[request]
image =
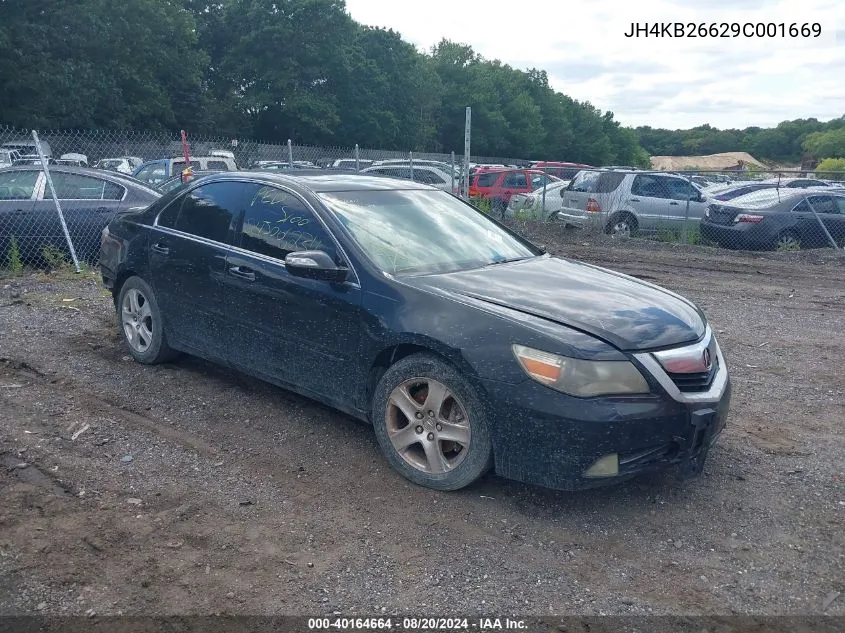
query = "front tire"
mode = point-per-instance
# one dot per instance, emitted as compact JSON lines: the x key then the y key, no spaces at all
{"x":140,"y":322}
{"x":431,"y":424}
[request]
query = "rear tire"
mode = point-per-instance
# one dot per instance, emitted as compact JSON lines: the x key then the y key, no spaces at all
{"x":788,"y":241}
{"x":140,"y":323}
{"x":431,"y":423}
{"x":622,"y":225}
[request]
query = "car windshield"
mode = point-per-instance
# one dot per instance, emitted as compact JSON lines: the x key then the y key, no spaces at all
{"x":423,"y":232}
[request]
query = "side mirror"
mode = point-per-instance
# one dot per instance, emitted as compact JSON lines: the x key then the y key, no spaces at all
{"x":315,"y":265}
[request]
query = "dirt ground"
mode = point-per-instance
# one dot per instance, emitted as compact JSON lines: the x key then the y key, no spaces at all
{"x":188,"y":489}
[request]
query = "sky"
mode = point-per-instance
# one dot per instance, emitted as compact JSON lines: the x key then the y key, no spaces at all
{"x":661,"y":82}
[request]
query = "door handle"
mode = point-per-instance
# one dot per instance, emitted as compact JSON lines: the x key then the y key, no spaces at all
{"x":673,"y":204}
{"x":634,"y":200}
{"x":103,"y":209}
{"x":160,"y":248}
{"x":237,"y":271}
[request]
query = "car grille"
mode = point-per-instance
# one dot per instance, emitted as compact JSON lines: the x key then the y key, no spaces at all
{"x":697,"y":382}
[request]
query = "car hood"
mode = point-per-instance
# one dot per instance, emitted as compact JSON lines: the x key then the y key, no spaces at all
{"x":627,"y":313}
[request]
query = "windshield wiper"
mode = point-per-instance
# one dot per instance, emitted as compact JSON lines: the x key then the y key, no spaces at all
{"x":507,"y":261}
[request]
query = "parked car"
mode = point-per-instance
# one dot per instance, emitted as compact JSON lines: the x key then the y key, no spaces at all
{"x":27,"y":150}
{"x":89,"y":199}
{"x":8,"y":157}
{"x":564,"y":171}
{"x":73,"y":159}
{"x":777,"y":218}
{"x":425,"y":174}
{"x":155,"y":172}
{"x":121,"y":165}
{"x":350,"y":163}
{"x":437,"y":164}
{"x":531,"y":204}
{"x":466,"y":346}
{"x":623,"y":203}
{"x":498,"y":185}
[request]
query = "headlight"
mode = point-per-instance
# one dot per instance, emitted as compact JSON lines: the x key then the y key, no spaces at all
{"x":581,"y":378}
{"x":529,"y":202}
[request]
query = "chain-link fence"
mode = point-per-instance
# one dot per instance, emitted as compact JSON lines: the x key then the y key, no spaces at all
{"x":748,"y":210}
{"x":737,"y":209}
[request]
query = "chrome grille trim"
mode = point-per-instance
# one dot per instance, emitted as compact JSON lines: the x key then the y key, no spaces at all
{"x":720,"y":380}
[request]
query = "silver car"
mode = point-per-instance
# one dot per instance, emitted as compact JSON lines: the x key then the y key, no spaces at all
{"x":626,"y":203}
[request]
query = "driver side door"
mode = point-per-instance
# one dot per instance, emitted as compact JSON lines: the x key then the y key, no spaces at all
{"x":300,"y":332}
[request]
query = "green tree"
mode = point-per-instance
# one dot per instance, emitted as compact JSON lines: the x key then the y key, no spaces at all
{"x":829,"y":144}
{"x":833,"y":168}
{"x":97,"y":63}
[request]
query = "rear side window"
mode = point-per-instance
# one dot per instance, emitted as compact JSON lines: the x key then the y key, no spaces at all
{"x":77,"y":187}
{"x":206,"y":211}
{"x":516,"y":180}
{"x":152,"y":173}
{"x":608,"y":182}
{"x":649,"y":187}
{"x":17,"y":185}
{"x":487,"y":179}
{"x":428,"y":177}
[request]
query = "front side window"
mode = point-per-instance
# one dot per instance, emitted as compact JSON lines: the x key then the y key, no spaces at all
{"x":153,"y":173}
{"x":428,"y":177}
{"x":17,"y":185}
{"x":680,"y":189}
{"x":423,"y":231}
{"x":217,"y":165}
{"x":206,"y":211}
{"x":76,"y":187}
{"x":276,"y":223}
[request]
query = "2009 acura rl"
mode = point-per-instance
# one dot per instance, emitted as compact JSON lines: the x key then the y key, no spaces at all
{"x":465,"y":345}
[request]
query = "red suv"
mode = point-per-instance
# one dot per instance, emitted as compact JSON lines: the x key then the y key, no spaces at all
{"x":498,"y":185}
{"x":564,"y":171}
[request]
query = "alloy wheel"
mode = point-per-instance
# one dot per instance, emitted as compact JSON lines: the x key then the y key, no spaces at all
{"x":137,"y":320}
{"x":427,"y":425}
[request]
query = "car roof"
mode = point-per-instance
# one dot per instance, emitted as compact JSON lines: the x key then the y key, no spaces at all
{"x":124,"y":179}
{"x":323,"y":182}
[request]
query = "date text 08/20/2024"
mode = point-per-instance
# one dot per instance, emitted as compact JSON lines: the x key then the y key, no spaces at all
{"x":418,"y":625}
{"x":724,"y":29}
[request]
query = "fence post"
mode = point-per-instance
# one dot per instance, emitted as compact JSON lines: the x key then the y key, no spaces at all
{"x":290,"y":154}
{"x":453,"y":172}
{"x":411,"y":163}
{"x":686,"y":211}
{"x":465,"y":174}
{"x":55,"y":200}
{"x":357,"y":159}
{"x":543,"y":208}
{"x":821,"y":224}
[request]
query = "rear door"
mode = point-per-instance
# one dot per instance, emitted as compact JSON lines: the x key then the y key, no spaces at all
{"x":18,"y":190}
{"x":681,"y":192}
{"x":88,"y":205}
{"x":649,"y":200}
{"x":188,"y":243}
{"x":829,"y":209}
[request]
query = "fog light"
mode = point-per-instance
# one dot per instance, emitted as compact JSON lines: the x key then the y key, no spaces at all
{"x":607,"y":466}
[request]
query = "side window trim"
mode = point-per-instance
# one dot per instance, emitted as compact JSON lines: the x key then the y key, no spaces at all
{"x":236,"y":243}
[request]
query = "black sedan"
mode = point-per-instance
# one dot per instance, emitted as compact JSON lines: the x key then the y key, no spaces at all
{"x":89,"y":198}
{"x":463,"y":344}
{"x":778,"y":219}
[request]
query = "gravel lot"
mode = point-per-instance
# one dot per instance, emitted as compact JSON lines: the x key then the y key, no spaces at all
{"x":189,"y":489}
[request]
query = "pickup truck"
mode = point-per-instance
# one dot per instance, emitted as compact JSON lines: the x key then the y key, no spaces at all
{"x":155,"y":172}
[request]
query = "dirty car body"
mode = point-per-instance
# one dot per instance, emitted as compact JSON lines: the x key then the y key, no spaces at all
{"x":575,"y":375}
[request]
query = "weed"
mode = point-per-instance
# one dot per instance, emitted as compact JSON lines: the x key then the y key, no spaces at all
{"x":14,"y":255}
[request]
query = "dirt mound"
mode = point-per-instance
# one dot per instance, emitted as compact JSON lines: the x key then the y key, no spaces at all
{"x":726,"y":160}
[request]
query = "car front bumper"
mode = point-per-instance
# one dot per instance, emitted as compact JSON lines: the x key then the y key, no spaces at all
{"x":546,"y":438}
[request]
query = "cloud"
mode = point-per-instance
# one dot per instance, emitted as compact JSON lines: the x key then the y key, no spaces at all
{"x":662,"y":82}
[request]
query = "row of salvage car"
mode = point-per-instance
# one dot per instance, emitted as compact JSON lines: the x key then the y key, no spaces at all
{"x":786,"y":213}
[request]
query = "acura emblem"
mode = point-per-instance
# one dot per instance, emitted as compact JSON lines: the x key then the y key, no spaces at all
{"x":708,"y":362}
